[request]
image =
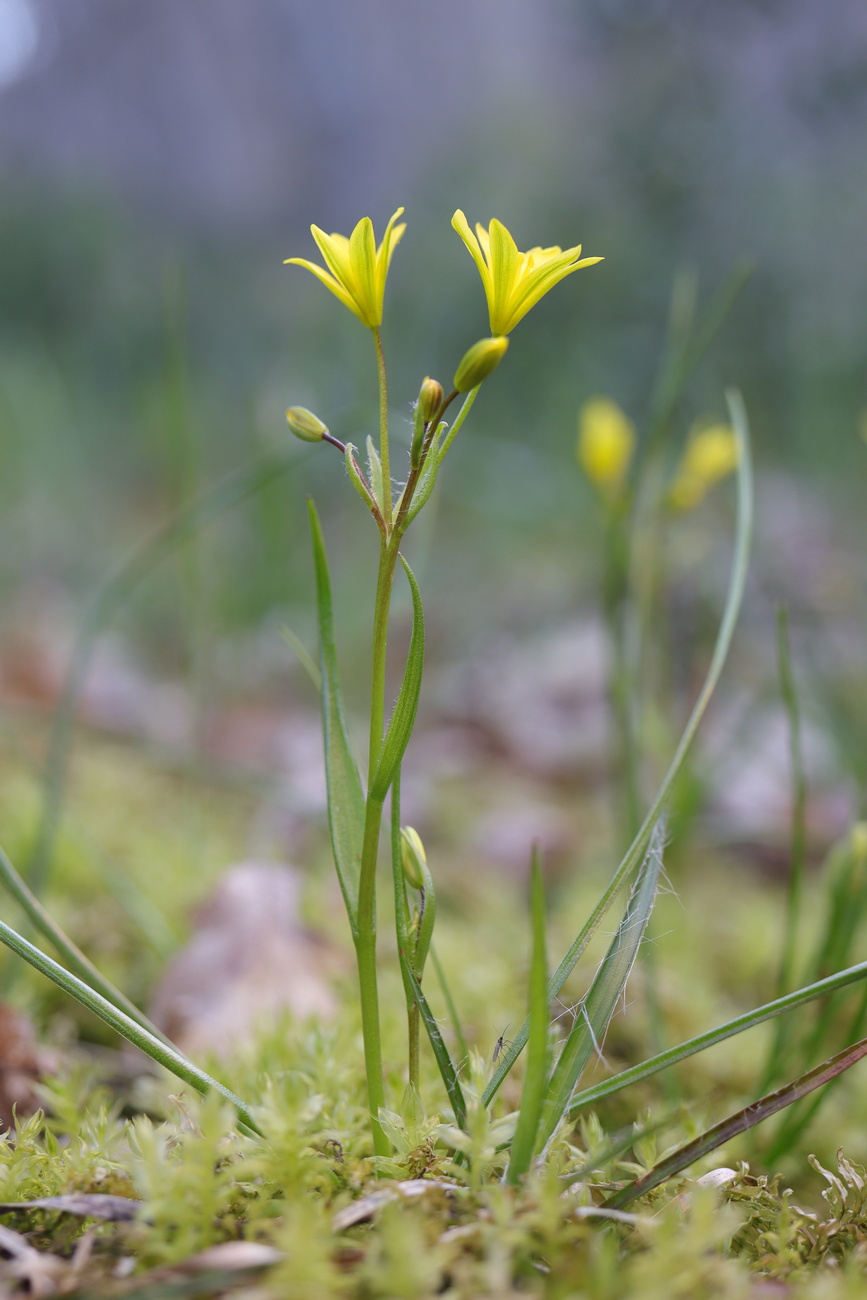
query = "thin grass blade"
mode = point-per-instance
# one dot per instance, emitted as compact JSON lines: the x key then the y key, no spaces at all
{"x":345,"y":796}
{"x":737,"y":582}
{"x":604,"y":993}
{"x":644,"y":1070}
{"x":163,"y":1053}
{"x":450,"y":1004}
{"x":71,"y":954}
{"x":403,"y":718}
{"x":440,"y":1051}
{"x":739,"y":1123}
{"x":536,"y":1078}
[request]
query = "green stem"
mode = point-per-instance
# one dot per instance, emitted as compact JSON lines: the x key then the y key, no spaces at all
{"x":404,"y":944}
{"x":365,"y":936}
{"x":383,"y":426}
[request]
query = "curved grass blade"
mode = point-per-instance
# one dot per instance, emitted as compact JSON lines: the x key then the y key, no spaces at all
{"x":701,"y":1042}
{"x":403,"y":718}
{"x":633,"y":854}
{"x":345,"y":797}
{"x":71,"y":954}
{"x":440,"y":1051}
{"x":163,"y":1053}
{"x":604,"y":993}
{"x":738,"y":1123}
{"x":536,"y":1078}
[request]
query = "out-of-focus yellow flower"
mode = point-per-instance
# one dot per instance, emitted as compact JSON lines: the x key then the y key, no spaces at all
{"x":606,"y":441}
{"x":356,"y":267}
{"x":513,"y":281}
{"x":710,"y":455}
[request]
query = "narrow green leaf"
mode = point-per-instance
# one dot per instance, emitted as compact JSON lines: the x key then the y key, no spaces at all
{"x":345,"y":796}
{"x":450,"y":1005}
{"x":374,"y":468}
{"x":161,"y":1052}
{"x":598,"y":1006}
{"x":673,"y":1055}
{"x":428,"y":477}
{"x":536,"y":1078}
{"x":71,"y":954}
{"x":738,"y":1123}
{"x":440,"y":1051}
{"x":403,"y":719}
{"x":633,"y":854}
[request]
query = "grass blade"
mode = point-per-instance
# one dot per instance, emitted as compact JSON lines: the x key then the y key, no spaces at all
{"x":633,"y":854}
{"x":821,"y":989}
{"x":71,"y":954}
{"x":605,"y":991}
{"x":536,"y":1078}
{"x":345,"y":796}
{"x":450,"y":1004}
{"x":440,"y":1051}
{"x":163,"y":1053}
{"x":403,"y":718}
{"x":738,"y":1123}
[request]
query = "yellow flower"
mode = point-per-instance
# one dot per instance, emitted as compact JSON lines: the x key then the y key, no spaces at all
{"x":356,"y":267}
{"x":514,"y":282}
{"x":710,"y":455}
{"x":606,"y":441}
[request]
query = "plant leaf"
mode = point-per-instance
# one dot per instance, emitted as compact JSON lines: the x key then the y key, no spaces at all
{"x":71,"y":954}
{"x":701,"y":1042}
{"x":403,"y":718}
{"x":345,"y":796}
{"x":738,"y":1123}
{"x":598,"y":1006}
{"x":440,"y":1051}
{"x":737,"y":581}
{"x":536,"y":1078}
{"x":163,"y":1053}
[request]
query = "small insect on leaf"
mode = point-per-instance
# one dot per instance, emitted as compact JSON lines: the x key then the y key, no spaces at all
{"x":501,"y":1042}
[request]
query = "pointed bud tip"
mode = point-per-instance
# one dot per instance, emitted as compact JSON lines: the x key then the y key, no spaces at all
{"x":430,"y":397}
{"x":480,"y":361}
{"x":305,"y":425}
{"x":413,"y":856}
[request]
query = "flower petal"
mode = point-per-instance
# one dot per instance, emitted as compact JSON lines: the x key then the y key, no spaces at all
{"x":335,"y":253}
{"x":330,"y":283}
{"x":362,"y":261}
{"x":462,"y":226}
{"x":505,"y":275}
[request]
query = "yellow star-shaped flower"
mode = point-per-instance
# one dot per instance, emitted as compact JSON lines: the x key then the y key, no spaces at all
{"x":356,"y":267}
{"x":514,"y":281}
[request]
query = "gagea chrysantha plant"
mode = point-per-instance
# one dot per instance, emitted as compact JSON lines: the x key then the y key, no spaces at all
{"x":639,"y":486}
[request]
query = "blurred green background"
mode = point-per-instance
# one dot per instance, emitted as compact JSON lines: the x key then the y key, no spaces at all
{"x":159,"y":161}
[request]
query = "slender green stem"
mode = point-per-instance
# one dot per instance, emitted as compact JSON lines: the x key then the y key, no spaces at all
{"x":383,"y":426}
{"x":365,"y":952}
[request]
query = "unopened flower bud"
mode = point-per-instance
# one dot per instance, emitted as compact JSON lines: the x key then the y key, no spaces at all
{"x":430,"y":397}
{"x":479,"y":362}
{"x":413,"y":856}
{"x":305,"y":425}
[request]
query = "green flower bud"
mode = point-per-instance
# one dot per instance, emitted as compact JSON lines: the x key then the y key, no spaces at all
{"x":305,"y":425}
{"x":413,"y":856}
{"x":479,"y":362}
{"x":430,"y":396}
